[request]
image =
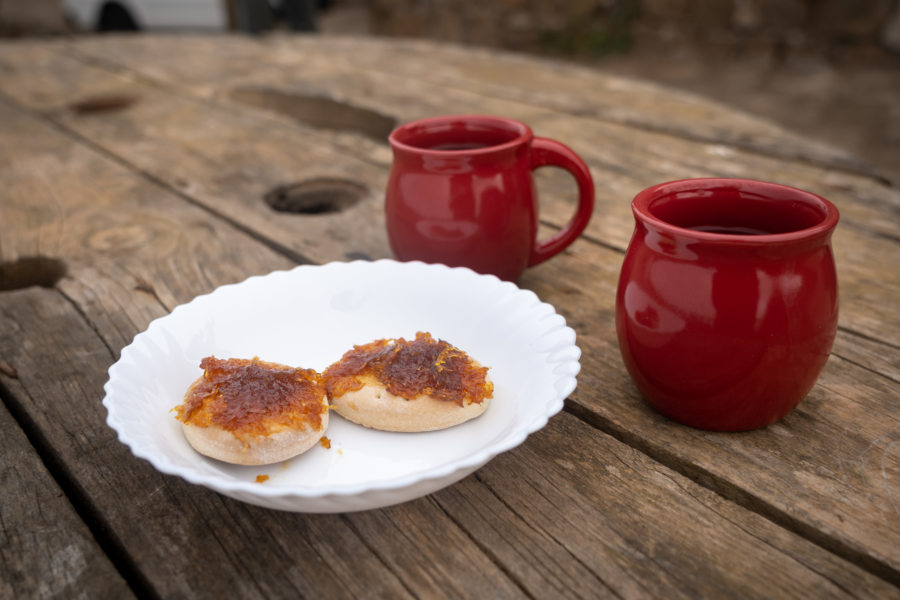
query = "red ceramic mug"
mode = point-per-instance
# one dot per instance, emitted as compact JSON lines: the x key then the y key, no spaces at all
{"x":727,"y":303}
{"x":461,"y":193}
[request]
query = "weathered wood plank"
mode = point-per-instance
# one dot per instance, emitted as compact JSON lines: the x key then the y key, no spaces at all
{"x":818,"y":451}
{"x":197,"y":140}
{"x":173,"y":143}
{"x":165,"y":134}
{"x":632,"y":525}
{"x":196,"y":152}
{"x":548,"y":84}
{"x":585,"y":92}
{"x":46,"y":550}
{"x":188,"y":540}
{"x":573,"y":503}
{"x":632,"y":160}
{"x":261,"y":553}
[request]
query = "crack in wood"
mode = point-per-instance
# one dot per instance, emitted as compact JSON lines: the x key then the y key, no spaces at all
{"x":317,"y":111}
{"x":485,"y":549}
{"x":101,"y":531}
{"x":733,"y":493}
{"x":374,"y":550}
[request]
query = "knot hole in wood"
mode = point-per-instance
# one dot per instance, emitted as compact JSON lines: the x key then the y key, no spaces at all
{"x":31,"y":271}
{"x":316,"y":196}
{"x":102,"y":103}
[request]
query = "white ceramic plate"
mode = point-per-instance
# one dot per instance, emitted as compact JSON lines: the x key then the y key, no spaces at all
{"x":309,"y":316}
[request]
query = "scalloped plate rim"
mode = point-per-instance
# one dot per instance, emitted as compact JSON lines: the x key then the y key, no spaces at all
{"x":565,"y":383}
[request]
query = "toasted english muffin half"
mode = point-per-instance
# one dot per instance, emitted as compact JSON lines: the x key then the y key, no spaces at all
{"x":252,"y":412}
{"x":408,"y":386}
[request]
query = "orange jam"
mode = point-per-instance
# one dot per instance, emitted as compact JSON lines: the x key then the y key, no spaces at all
{"x":409,"y":369}
{"x":253,"y":397}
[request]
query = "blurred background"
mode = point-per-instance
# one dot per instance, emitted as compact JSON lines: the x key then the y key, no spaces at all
{"x":829,"y":69}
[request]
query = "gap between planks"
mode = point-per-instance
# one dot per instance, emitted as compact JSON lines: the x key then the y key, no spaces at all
{"x":734,"y":494}
{"x":111,"y":546}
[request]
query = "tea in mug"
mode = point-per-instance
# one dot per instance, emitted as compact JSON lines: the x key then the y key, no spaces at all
{"x":460,"y":146}
{"x":730,"y":230}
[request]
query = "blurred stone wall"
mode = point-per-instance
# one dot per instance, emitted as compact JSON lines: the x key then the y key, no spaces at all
{"x":593,"y":28}
{"x":31,"y":17}
{"x":596,"y":28}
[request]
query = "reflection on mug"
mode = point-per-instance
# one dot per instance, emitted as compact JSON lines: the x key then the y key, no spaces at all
{"x":447,"y":231}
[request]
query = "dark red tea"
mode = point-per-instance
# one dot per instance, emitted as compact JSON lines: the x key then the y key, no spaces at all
{"x":730,"y":230}
{"x":460,"y":146}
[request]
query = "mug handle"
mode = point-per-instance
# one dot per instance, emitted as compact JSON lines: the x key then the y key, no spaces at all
{"x":550,"y":153}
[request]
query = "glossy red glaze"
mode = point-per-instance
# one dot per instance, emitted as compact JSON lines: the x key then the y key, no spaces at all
{"x":721,"y":331}
{"x":461,"y":193}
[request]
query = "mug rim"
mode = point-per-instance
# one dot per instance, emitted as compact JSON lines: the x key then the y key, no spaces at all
{"x":523,"y":131}
{"x":643,"y":200}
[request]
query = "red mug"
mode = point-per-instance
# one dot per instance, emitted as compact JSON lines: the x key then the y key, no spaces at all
{"x":461,"y":193}
{"x":727,"y":303}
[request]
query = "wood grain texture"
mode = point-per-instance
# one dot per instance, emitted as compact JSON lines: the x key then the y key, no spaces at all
{"x":154,"y":201}
{"x":46,"y":550}
{"x":177,"y":129}
{"x":634,"y":526}
{"x":623,"y":160}
{"x":545,"y":84}
{"x":816,"y":452}
{"x":571,"y":502}
{"x":189,"y":541}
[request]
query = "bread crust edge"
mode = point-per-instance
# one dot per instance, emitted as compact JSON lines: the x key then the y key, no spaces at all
{"x":219,"y":443}
{"x":374,"y":407}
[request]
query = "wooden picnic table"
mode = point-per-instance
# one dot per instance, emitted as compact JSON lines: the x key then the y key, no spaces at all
{"x":134,"y":172}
